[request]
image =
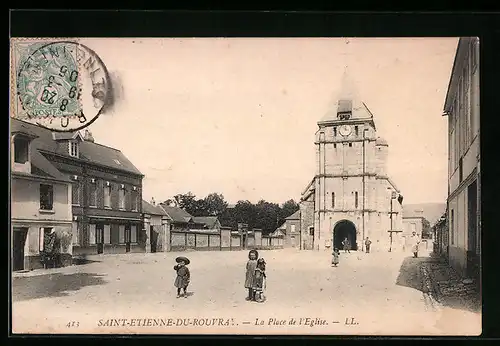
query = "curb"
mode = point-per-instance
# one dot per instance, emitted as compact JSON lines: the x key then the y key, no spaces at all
{"x":428,"y":289}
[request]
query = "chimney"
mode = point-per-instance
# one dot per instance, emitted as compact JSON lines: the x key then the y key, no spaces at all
{"x":153,"y":201}
{"x":88,"y":136}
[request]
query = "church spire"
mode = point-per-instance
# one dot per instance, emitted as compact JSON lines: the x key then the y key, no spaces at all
{"x":348,"y":90}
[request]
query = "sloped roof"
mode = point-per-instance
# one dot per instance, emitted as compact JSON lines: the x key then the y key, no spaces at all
{"x":381,"y":142}
{"x":431,"y":211}
{"x":89,"y":151}
{"x":294,"y":216}
{"x":209,"y":221}
{"x":177,"y":214}
{"x":148,"y":208}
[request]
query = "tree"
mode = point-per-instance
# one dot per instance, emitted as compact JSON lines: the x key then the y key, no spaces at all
{"x":215,"y":204}
{"x":426,"y":229}
{"x":186,"y":201}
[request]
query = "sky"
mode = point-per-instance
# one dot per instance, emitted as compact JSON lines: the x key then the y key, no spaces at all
{"x":238,"y":116}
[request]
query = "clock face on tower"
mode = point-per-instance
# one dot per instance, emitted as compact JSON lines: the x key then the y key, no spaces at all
{"x":345,"y":130}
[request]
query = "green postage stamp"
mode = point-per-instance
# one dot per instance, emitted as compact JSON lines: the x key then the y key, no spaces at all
{"x":57,"y":84}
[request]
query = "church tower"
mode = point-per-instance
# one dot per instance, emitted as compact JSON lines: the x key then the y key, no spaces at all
{"x":351,"y":195}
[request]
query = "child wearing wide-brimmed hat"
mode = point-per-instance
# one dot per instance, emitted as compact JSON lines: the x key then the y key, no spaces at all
{"x":253,"y":255}
{"x":183,"y":276}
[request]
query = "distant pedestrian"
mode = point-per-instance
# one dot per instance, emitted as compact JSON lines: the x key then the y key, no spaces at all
{"x":253,"y":255}
{"x":183,"y":276}
{"x":335,"y":259}
{"x":347,"y":245}
{"x":368,"y":243}
{"x":259,"y":281}
{"x":414,"y":242}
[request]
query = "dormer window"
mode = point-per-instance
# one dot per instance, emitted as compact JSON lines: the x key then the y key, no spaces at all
{"x":73,"y":149}
{"x":21,"y":149}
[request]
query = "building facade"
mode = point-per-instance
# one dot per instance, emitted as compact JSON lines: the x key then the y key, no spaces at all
{"x":106,"y":191}
{"x":351,"y":195}
{"x":156,"y":227}
{"x":39,"y":204}
{"x":464,"y":186}
{"x":290,"y":231}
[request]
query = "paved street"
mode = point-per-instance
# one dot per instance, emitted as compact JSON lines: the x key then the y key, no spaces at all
{"x":381,"y":291}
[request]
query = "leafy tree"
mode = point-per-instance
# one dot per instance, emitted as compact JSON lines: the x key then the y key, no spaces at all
{"x":426,"y":229}
{"x":214,"y":204}
{"x":186,"y":201}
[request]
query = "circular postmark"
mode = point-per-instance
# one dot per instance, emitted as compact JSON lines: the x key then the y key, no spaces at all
{"x":63,"y":86}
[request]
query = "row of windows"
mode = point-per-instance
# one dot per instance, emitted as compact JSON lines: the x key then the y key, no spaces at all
{"x":123,"y":193}
{"x":355,"y":199}
{"x":102,"y":234}
{"x":463,"y":122}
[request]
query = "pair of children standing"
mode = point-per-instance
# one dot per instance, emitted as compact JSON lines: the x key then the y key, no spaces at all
{"x":255,"y":278}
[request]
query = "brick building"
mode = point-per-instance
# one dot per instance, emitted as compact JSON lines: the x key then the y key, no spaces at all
{"x":105,"y":194}
{"x":464,"y":193}
{"x":351,"y":194}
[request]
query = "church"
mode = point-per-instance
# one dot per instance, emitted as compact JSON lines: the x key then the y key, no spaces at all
{"x":351,"y":195}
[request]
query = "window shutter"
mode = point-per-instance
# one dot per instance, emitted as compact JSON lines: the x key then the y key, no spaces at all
{"x":133,"y":234}
{"x":107,"y":234}
{"x":114,"y":195}
{"x":92,"y":239}
{"x":121,"y":234}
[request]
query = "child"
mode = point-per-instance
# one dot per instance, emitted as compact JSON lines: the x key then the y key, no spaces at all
{"x":183,"y":276}
{"x":250,"y":273}
{"x":259,"y":281}
{"x":335,"y":259}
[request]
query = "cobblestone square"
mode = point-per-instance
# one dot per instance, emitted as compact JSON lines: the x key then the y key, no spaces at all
{"x":367,"y":294}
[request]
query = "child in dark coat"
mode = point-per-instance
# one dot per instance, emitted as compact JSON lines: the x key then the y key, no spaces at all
{"x":259,"y":281}
{"x":253,"y":255}
{"x":183,"y":276}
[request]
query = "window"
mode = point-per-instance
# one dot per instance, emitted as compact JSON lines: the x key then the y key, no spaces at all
{"x":350,"y":145}
{"x":413,"y":227}
{"x":107,"y":195}
{"x":133,"y":234}
{"x":75,"y":200}
{"x":93,"y":193}
{"x":356,"y":130}
{"x":73,"y":149}
{"x":135,"y":200}
{"x":334,"y":145}
{"x":452,"y":228}
{"x":292,"y":228}
{"x":107,"y":234}
{"x":311,"y":231}
{"x":356,"y":199}
{"x":75,"y":230}
{"x":21,"y":149}
{"x":92,"y":234}
{"x":45,"y":240}
{"x":333,"y":200}
{"x":121,"y":234}
{"x":46,"y":197}
{"x":121,"y":197}
{"x":335,"y":132}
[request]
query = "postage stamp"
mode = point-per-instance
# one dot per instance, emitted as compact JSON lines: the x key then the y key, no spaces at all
{"x":58,"y":84}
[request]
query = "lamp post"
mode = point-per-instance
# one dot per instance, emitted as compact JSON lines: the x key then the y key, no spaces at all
{"x":393,"y":196}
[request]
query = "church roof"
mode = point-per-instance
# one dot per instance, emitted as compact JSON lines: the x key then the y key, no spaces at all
{"x":347,"y":92}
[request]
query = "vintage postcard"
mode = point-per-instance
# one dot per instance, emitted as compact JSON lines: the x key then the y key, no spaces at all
{"x":319,"y":186}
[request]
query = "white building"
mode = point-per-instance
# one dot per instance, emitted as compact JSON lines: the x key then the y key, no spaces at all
{"x":464,"y":196}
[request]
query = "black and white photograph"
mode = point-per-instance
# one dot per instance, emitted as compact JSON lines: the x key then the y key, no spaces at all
{"x":238,"y":185}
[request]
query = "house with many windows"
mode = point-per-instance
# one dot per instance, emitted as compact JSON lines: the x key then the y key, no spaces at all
{"x":40,"y":203}
{"x":464,"y":186}
{"x":105,"y":195}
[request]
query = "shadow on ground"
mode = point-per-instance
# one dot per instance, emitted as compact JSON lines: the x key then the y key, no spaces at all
{"x":52,"y":285}
{"x":409,"y":273}
{"x":82,"y":260}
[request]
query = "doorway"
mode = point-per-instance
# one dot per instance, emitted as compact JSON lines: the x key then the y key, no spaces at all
{"x":127,"y":238}
{"x":99,"y":229}
{"x":344,"y":229}
{"x":153,"y":236}
{"x":472,"y":262}
{"x":18,"y":241}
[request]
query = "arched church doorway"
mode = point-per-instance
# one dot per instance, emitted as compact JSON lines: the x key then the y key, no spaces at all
{"x":344,"y":229}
